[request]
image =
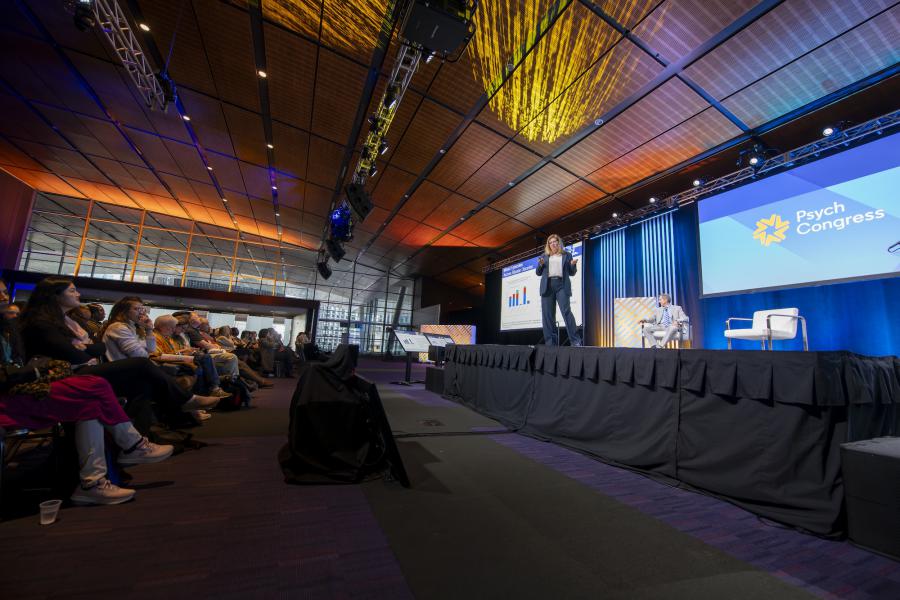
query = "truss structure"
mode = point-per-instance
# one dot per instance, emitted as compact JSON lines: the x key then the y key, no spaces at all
{"x":117,"y":31}
{"x":402,"y":72}
{"x":835,"y":142}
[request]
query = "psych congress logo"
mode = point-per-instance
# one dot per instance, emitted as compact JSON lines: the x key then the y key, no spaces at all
{"x":771,"y":230}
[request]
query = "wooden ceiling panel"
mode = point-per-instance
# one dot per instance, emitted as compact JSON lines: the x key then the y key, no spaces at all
{"x":668,"y":105}
{"x":456,"y":86}
{"x":248,"y":225}
{"x":155,"y":151}
{"x":188,"y":65}
{"x":188,"y":160}
{"x":290,"y":149}
{"x":868,"y":49}
{"x":484,"y":220}
{"x":546,"y":182}
{"x":473,"y":148}
{"x":374,"y":220}
{"x":229,"y":49}
{"x":419,"y":236}
{"x":391,"y":187}
{"x":449,"y":211}
{"x":353,"y":29}
{"x":43,"y":181}
{"x":678,"y":26}
{"x":14,"y":157}
{"x":239,"y":206}
{"x":576,"y":196}
{"x":510,"y":162}
{"x":228,"y":174}
{"x":256,"y":181}
{"x":208,"y":121}
{"x":291,"y":66}
{"x":182,"y":188}
{"x":427,"y":134}
{"x":324,"y":162}
{"x":339,"y":86}
{"x":109,"y":193}
{"x":145,"y":178}
{"x":78,"y":134}
{"x":502,"y":234}
{"x":692,"y":137}
{"x":399,"y":228}
{"x":317,"y":200}
{"x":247,"y":135}
{"x":19,"y":122}
{"x":772,"y":41}
{"x":426,"y":198}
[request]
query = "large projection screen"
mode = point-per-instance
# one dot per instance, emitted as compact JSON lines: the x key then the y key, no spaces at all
{"x":520,"y":299}
{"x":832,"y":220}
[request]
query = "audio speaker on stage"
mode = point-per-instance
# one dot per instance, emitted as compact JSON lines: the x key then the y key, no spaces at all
{"x":872,"y":490}
{"x":338,"y":430}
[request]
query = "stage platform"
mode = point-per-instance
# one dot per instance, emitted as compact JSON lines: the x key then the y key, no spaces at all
{"x":760,"y":429}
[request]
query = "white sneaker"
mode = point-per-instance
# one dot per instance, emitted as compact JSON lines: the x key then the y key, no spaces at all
{"x":199,"y":403}
{"x":104,"y":492}
{"x":145,"y":452}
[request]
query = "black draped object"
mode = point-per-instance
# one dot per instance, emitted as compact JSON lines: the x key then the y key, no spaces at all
{"x":760,"y":429}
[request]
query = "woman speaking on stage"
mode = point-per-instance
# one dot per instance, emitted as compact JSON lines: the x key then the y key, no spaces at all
{"x":555,"y":267}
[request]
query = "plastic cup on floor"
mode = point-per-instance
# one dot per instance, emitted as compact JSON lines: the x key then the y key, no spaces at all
{"x":49,"y":511}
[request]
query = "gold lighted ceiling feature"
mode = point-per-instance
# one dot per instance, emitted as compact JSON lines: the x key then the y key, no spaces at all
{"x":504,"y":31}
{"x":347,"y":26}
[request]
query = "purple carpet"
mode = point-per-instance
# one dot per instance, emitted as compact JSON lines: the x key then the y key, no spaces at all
{"x":825,"y":568}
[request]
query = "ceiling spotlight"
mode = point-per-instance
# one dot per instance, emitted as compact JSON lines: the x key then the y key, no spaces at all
{"x":274,"y":188}
{"x":144,"y":27}
{"x":322,"y":266}
{"x":653,"y":200}
{"x":185,"y":117}
{"x":225,"y":200}
{"x":375,"y":124}
{"x":698,"y":182}
{"x":208,"y":168}
{"x":391,"y":96}
{"x":262,"y":74}
{"x":442,"y":151}
{"x":270,"y":146}
{"x":754,"y":160}
{"x":277,"y":214}
{"x":383,"y":147}
{"x":373,"y":170}
{"x":615,"y":215}
{"x":84,"y":15}
{"x":828,"y":131}
{"x":335,"y":249}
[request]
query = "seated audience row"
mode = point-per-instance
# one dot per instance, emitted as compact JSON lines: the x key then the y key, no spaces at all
{"x":61,"y":362}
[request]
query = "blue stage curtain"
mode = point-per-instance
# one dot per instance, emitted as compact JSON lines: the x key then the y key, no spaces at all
{"x":604,"y":280}
{"x":658,"y":257}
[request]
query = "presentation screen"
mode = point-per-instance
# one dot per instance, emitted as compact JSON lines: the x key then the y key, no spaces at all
{"x":835,"y":219}
{"x":520,"y":298}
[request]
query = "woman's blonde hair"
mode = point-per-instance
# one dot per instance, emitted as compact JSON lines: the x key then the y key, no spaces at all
{"x":547,"y":245}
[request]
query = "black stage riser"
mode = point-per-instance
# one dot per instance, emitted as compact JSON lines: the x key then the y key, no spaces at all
{"x":761,"y":429}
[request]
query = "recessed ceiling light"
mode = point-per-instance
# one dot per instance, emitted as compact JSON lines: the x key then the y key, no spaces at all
{"x":224,"y":199}
{"x":185,"y":117}
{"x":697,"y":183}
{"x":208,"y":168}
{"x":270,"y":146}
{"x":144,"y":27}
{"x":277,"y":214}
{"x":275,"y":187}
{"x":653,"y":200}
{"x":615,"y":215}
{"x":262,"y":73}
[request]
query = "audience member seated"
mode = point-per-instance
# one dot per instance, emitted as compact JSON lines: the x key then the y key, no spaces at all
{"x":82,"y":315}
{"x":127,"y":332}
{"x":267,"y":346}
{"x":40,"y":393}
{"x":301,"y":340}
{"x":11,"y":312}
{"x":226,"y":362}
{"x":283,"y":355}
{"x":46,"y":331}
{"x":171,"y":351}
{"x":224,"y":339}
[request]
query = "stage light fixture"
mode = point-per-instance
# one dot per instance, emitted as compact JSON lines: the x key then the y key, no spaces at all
{"x":828,"y":131}
{"x":429,"y":57}
{"x":262,"y":74}
{"x":144,"y":27}
{"x":615,"y":215}
{"x":335,"y":249}
{"x":341,"y":223}
{"x":383,"y":147}
{"x":373,"y":170}
{"x":698,"y":182}
{"x":167,"y":86}
{"x":754,"y":160}
{"x":84,"y":15}
{"x":390,"y":97}
{"x":653,"y":200}
{"x":322,"y":266}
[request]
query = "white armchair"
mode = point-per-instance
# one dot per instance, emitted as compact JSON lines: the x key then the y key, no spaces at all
{"x":768,"y":325}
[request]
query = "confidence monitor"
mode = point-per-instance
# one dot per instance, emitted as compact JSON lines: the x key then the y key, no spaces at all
{"x":520,"y":299}
{"x":832,"y":220}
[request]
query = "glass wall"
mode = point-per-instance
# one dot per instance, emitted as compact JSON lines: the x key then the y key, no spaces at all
{"x":74,"y":236}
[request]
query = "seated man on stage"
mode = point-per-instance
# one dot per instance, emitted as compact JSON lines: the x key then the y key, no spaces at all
{"x":667,"y":317}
